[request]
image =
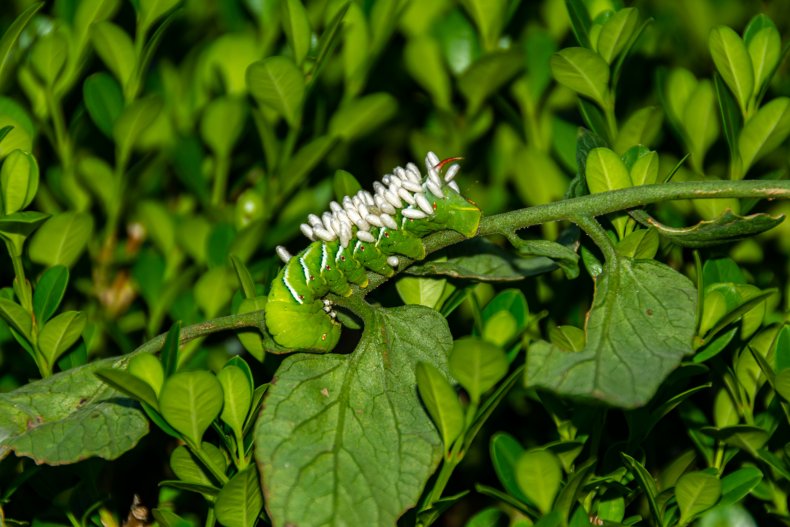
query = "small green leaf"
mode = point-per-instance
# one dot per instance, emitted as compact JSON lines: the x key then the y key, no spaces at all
{"x":240,"y":501}
{"x":361,"y":116}
{"x":426,"y":292}
{"x":583,"y":71}
{"x":489,"y":17}
{"x":733,"y":63}
{"x":48,"y":56}
{"x":764,"y":45}
{"x":148,"y":368}
{"x":505,"y":452}
{"x":344,"y":184}
{"x":580,"y":21}
{"x":641,"y":244}
{"x":782,"y":383}
{"x":297,"y":28}
{"x":190,"y":401}
{"x":696,"y":492}
{"x":252,"y":339}
{"x":18,"y":181}
{"x":214,"y":290}
{"x":568,"y":338}
{"x":49,"y":292}
{"x":606,"y":171}
{"x":477,"y":365}
{"x":21,"y":135}
{"x":16,"y":316}
{"x":61,"y":240}
{"x":167,"y":518}
{"x":487,"y":75}
{"x":699,"y":121}
{"x":190,"y":469}
{"x":539,"y":475}
{"x":152,"y":10}
{"x":116,"y":50}
{"x":764,"y":131}
{"x":237,"y":390}
{"x":616,"y":32}
{"x":441,"y":402}
{"x":169,"y":351}
{"x":644,"y":171}
{"x":12,"y":33}
{"x":278,"y":84}
{"x":104,"y":100}
{"x":731,"y":118}
{"x":222,"y":123}
{"x":135,"y":119}
{"x":423,"y":60}
{"x":60,"y":333}
{"x":640,"y":128}
{"x":736,"y":485}
{"x":130,"y":384}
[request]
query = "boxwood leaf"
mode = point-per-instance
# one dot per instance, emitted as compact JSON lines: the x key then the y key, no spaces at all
{"x":580,"y":21}
{"x":237,"y":390}
{"x":583,"y":71}
{"x":478,"y":365}
{"x":616,"y":32}
{"x":441,"y":401}
{"x":61,"y":240}
{"x":699,"y":121}
{"x":18,"y":181}
{"x":736,"y":485}
{"x":104,"y":100}
{"x":12,"y":34}
{"x":505,"y":452}
{"x":421,"y":291}
{"x":60,"y":333}
{"x":240,"y":501}
{"x":16,"y":316}
{"x":733,"y":63}
{"x":696,"y":492}
{"x":539,"y":475}
{"x":148,"y":368}
{"x":278,"y":84}
{"x":151,"y":10}
{"x":129,"y":384}
{"x":642,"y":319}
{"x":764,"y":45}
{"x":487,"y":75}
{"x":48,"y":55}
{"x":363,"y":115}
{"x":188,"y":468}
{"x":49,"y":292}
{"x":222,"y":123}
{"x":297,"y":28}
{"x":115,"y":48}
{"x":135,"y":119}
{"x":423,"y":60}
{"x":764,"y":131}
{"x":357,"y":417}
{"x":190,"y":401}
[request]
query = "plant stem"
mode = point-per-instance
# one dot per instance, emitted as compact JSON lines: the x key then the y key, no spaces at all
{"x":221,"y":170}
{"x":593,"y":229}
{"x":19,"y":272}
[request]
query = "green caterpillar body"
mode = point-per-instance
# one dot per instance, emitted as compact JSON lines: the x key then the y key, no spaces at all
{"x":367,"y":233}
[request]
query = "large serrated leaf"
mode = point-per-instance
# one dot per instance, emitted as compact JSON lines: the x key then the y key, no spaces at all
{"x":343,"y":439}
{"x":69,"y":417}
{"x":727,"y":228}
{"x":642,"y":320}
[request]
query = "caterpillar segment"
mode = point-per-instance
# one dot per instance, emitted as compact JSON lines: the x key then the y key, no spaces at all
{"x":365,"y":232}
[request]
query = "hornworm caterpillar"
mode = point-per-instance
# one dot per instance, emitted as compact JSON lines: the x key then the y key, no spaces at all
{"x":364,"y":232}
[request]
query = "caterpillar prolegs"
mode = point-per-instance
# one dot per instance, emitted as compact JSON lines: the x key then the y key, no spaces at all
{"x":365,"y":232}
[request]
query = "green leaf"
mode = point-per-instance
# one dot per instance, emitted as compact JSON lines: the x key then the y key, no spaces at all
{"x":477,"y":365}
{"x":305,"y":160}
{"x":641,"y":244}
{"x":580,"y":21}
{"x":278,"y":84}
{"x":240,"y":501}
{"x":135,"y":119}
{"x":606,"y":171}
{"x":361,"y":116}
{"x":640,"y":128}
{"x":699,"y":121}
{"x":116,"y":50}
{"x":380,"y":454}
{"x":12,"y":34}
{"x":222,"y":123}
{"x":17,"y":317}
{"x":60,"y":333}
{"x":616,"y":32}
{"x":489,"y":17}
{"x":441,"y":402}
{"x":252,"y":339}
{"x":21,"y":136}
{"x":104,"y":101}
{"x":565,"y":257}
{"x":696,"y":492}
{"x":190,"y":401}
{"x":18,"y":181}
{"x":583,"y":71}
{"x":167,"y":518}
{"x":764,"y":45}
{"x":733,"y":63}
{"x":237,"y":391}
{"x":344,"y":184}
{"x":487,"y":75}
{"x":152,"y":10}
{"x":297,"y":28}
{"x":736,"y":485}
{"x":169,"y":351}
{"x":423,"y":59}
{"x":426,"y":292}
{"x":644,"y":171}
{"x":48,"y":56}
{"x":764,"y":131}
{"x":61,"y":240}
{"x":190,"y":469}
{"x":505,"y":452}
{"x":642,"y":319}
{"x":731,"y":118}
{"x":74,"y":406}
{"x":214,"y":290}
{"x":148,"y":367}
{"x":727,"y":228}
{"x":49,"y":292}
{"x":539,"y":476}
{"x":129,"y":384}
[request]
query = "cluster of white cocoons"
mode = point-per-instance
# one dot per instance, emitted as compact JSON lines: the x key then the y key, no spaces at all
{"x":403,"y":190}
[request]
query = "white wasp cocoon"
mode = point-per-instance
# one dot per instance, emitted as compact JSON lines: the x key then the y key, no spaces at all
{"x":406,"y":196}
{"x":365,"y":236}
{"x":411,"y":186}
{"x":324,"y":234}
{"x":393,"y":199}
{"x":453,"y":185}
{"x":389,"y":222}
{"x":393,"y":261}
{"x":435,"y":189}
{"x":307,"y":231}
{"x":451,"y":172}
{"x":374,"y":220}
{"x":413,"y":214}
{"x":431,"y":160}
{"x":423,"y":203}
{"x":283,"y":253}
